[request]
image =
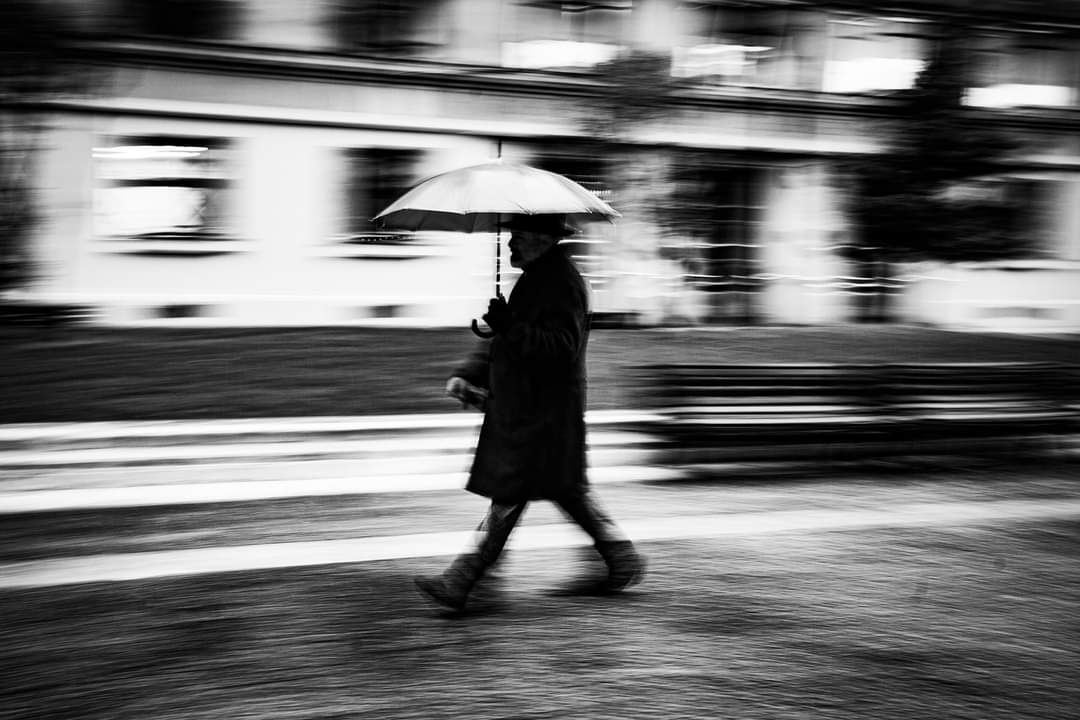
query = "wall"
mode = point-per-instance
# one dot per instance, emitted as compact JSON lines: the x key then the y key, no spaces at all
{"x":286,"y":265}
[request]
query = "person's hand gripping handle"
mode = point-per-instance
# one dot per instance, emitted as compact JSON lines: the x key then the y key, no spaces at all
{"x":498,"y":317}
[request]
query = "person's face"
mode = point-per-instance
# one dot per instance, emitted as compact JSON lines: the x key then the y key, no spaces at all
{"x":526,"y":246}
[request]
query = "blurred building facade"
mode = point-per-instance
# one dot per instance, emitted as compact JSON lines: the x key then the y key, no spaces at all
{"x":225,"y":165}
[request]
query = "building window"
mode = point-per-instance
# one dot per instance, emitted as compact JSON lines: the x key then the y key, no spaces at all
{"x":586,"y":246}
{"x":751,"y":45}
{"x":390,"y":27}
{"x":1033,"y":207}
{"x":377,"y":177}
{"x":1012,"y":217}
{"x":582,"y":167}
{"x":565,"y":35}
{"x":1031,"y":70}
{"x":718,"y":206}
{"x":164,"y":188}
{"x":182,"y":19}
{"x":874,"y":53}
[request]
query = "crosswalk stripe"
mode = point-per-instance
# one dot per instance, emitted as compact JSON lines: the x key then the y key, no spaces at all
{"x":166,"y":563}
{"x":147,"y":429}
{"x":403,"y":446}
{"x":192,"y":493}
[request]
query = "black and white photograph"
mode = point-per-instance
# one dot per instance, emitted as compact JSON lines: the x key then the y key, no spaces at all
{"x":539,"y":359}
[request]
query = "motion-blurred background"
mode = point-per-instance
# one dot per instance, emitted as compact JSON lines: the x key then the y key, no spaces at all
{"x":218,"y":162}
{"x":832,"y":382}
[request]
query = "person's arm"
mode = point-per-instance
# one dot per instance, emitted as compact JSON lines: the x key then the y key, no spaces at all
{"x":474,"y":369}
{"x":468,"y":394}
{"x":554,"y":337}
{"x":468,"y":383}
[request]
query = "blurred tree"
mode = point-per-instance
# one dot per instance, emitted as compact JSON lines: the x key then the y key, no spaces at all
{"x":635,"y":87}
{"x":690,"y":210}
{"x":32,"y":34}
{"x":932,"y":195}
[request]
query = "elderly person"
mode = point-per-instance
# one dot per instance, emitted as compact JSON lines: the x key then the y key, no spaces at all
{"x":530,"y":381}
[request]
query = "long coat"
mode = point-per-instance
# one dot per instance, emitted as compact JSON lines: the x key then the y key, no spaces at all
{"x":532,"y":441}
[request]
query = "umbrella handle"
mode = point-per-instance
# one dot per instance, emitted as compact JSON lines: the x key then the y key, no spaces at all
{"x":481,"y":333}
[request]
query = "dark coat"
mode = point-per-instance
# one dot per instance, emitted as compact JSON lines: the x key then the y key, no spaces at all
{"x":532,"y":442}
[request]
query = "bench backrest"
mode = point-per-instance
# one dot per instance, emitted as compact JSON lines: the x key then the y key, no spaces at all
{"x":901,"y":389}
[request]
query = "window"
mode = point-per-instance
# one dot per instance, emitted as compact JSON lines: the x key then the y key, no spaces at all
{"x":586,"y":169}
{"x":750,"y":45}
{"x":390,"y":27}
{"x":287,"y":23}
{"x":718,"y":206}
{"x":874,"y":53}
{"x":1010,"y":217}
{"x":1034,"y":213}
{"x":377,"y":177}
{"x":164,"y":188}
{"x":183,"y":19}
{"x":553,"y":34}
{"x":1034,"y":70}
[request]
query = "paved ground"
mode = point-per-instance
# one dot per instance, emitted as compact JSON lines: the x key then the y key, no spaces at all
{"x":946,"y":594}
{"x":886,"y":592}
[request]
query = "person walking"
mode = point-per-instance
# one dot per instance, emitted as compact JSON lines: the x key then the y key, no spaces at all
{"x":529,"y":379}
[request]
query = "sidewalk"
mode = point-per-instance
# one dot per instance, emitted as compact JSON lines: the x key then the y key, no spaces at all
{"x":945,"y":604}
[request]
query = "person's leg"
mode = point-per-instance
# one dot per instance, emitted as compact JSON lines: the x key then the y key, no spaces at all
{"x":583,"y":508}
{"x":452,"y":588}
{"x":625,"y":566}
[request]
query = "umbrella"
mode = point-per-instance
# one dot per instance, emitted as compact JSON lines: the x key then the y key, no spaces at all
{"x":477,"y":199}
{"x":480,"y":198}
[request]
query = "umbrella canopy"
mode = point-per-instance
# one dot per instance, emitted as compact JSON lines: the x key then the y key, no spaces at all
{"x":480,"y":197}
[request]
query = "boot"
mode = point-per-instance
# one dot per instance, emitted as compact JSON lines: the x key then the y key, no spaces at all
{"x":452,"y":588}
{"x":624,"y":568}
{"x":466,"y":585}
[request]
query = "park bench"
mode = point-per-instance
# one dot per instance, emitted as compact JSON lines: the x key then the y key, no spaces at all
{"x":715,"y":413}
{"x":989,"y":401}
{"x":42,"y":315}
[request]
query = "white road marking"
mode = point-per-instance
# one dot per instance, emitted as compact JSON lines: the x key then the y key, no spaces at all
{"x":126,"y":431}
{"x":189,"y":493}
{"x":168,"y":563}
